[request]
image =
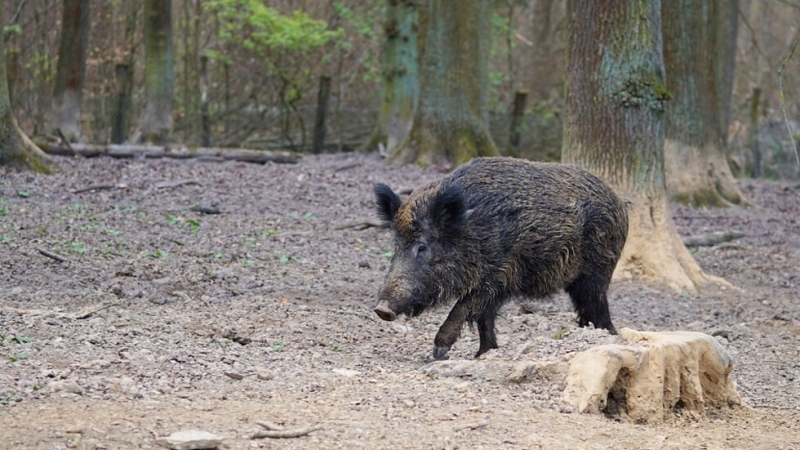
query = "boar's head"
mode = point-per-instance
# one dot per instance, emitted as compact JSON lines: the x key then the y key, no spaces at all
{"x":429,"y":264}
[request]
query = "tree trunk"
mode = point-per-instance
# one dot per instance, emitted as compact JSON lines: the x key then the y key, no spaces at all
{"x":205,"y":117}
{"x":699,"y":47}
{"x":614,"y":127}
{"x":517,"y":114}
{"x":322,"y":108}
{"x":400,"y":73}
{"x":16,"y":150}
{"x":68,"y":83}
{"x":450,"y":125}
{"x":119,"y":127}
{"x":156,"y":123}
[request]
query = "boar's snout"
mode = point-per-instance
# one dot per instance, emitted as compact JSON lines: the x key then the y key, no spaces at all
{"x":383,"y":311}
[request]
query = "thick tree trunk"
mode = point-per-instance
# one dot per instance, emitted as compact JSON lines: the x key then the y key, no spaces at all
{"x":156,"y":123}
{"x":450,"y":125}
{"x":614,"y":127}
{"x":399,"y":65}
{"x":699,"y":46}
{"x":68,"y":83}
{"x":16,"y":150}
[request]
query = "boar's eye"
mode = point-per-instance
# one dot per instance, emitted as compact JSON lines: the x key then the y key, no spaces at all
{"x":420,"y":249}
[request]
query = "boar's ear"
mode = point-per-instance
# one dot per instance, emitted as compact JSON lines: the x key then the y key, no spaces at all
{"x":388,"y":203}
{"x":448,"y":210}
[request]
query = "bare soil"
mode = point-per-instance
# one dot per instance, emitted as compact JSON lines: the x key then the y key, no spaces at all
{"x":166,"y":319}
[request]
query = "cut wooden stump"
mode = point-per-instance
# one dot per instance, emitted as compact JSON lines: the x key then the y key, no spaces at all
{"x":176,"y":152}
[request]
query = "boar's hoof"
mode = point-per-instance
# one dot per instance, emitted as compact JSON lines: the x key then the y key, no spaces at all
{"x":440,"y":353}
{"x":385,"y":313}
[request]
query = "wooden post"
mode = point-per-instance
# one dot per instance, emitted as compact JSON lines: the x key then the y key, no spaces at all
{"x":322,"y":107}
{"x":520,"y":100}
{"x":205,"y":121}
{"x":119,"y":125}
{"x":754,"y":100}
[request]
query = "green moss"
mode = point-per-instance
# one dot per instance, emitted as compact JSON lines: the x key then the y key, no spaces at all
{"x":643,"y":89}
{"x":701,"y":198}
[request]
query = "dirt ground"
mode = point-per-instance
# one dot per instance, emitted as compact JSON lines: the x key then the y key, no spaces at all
{"x":167,"y":319}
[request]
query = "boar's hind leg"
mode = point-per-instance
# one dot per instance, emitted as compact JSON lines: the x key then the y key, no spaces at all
{"x":588,"y":294}
{"x":450,"y":330}
{"x":486,"y":332}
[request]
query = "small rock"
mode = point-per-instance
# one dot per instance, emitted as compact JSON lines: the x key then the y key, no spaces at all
{"x":234,"y":375}
{"x":363,"y":264}
{"x":190,"y":440}
{"x":76,"y":429}
{"x":224,"y":274}
{"x":265,"y":376}
{"x":346,"y":372}
{"x":70,"y":386}
{"x":401,"y":328}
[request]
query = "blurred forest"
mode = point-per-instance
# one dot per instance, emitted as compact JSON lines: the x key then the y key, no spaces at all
{"x":259,"y":66}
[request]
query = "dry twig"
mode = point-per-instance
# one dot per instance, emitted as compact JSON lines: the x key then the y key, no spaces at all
{"x":98,"y":187}
{"x":359,"y":226}
{"x":474,"y":426}
{"x":285,"y":434}
{"x":88,"y":311}
{"x":52,"y":255}
{"x":269,"y":425}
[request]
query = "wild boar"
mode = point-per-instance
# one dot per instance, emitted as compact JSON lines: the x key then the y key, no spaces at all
{"x":499,"y":228}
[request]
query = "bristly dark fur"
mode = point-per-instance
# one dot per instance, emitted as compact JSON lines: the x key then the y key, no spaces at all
{"x":448,"y":211}
{"x":388,"y":203}
{"x":498,"y":228}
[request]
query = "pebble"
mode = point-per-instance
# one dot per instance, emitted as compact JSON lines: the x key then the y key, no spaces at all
{"x":70,"y":386}
{"x":190,"y":440}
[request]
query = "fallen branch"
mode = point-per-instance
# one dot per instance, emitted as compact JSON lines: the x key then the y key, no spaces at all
{"x":52,"y":255}
{"x":65,"y":141}
{"x":345,"y":167}
{"x":178,"y":152}
{"x":711,"y":239}
{"x":64,"y":259}
{"x":269,"y":425}
{"x":285,"y":434}
{"x":99,"y":187}
{"x":89,"y":310}
{"x":86,"y":312}
{"x":176,"y":183}
{"x":205,"y":209}
{"x":359,"y":226}
{"x":474,"y":426}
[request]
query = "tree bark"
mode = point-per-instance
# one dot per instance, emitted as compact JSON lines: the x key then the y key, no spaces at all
{"x":399,"y":65}
{"x":517,"y":114}
{"x":68,"y":83}
{"x":450,"y":125}
{"x":614,"y":127}
{"x":156,"y":122}
{"x":16,"y":150}
{"x":699,"y":47}
{"x":322,"y":107}
{"x":205,"y":117}
{"x":119,"y":127}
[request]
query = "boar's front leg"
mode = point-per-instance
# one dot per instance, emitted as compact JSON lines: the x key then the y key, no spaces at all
{"x":450,"y":330}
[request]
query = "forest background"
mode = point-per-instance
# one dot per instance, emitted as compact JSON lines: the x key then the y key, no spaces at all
{"x":247,"y":73}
